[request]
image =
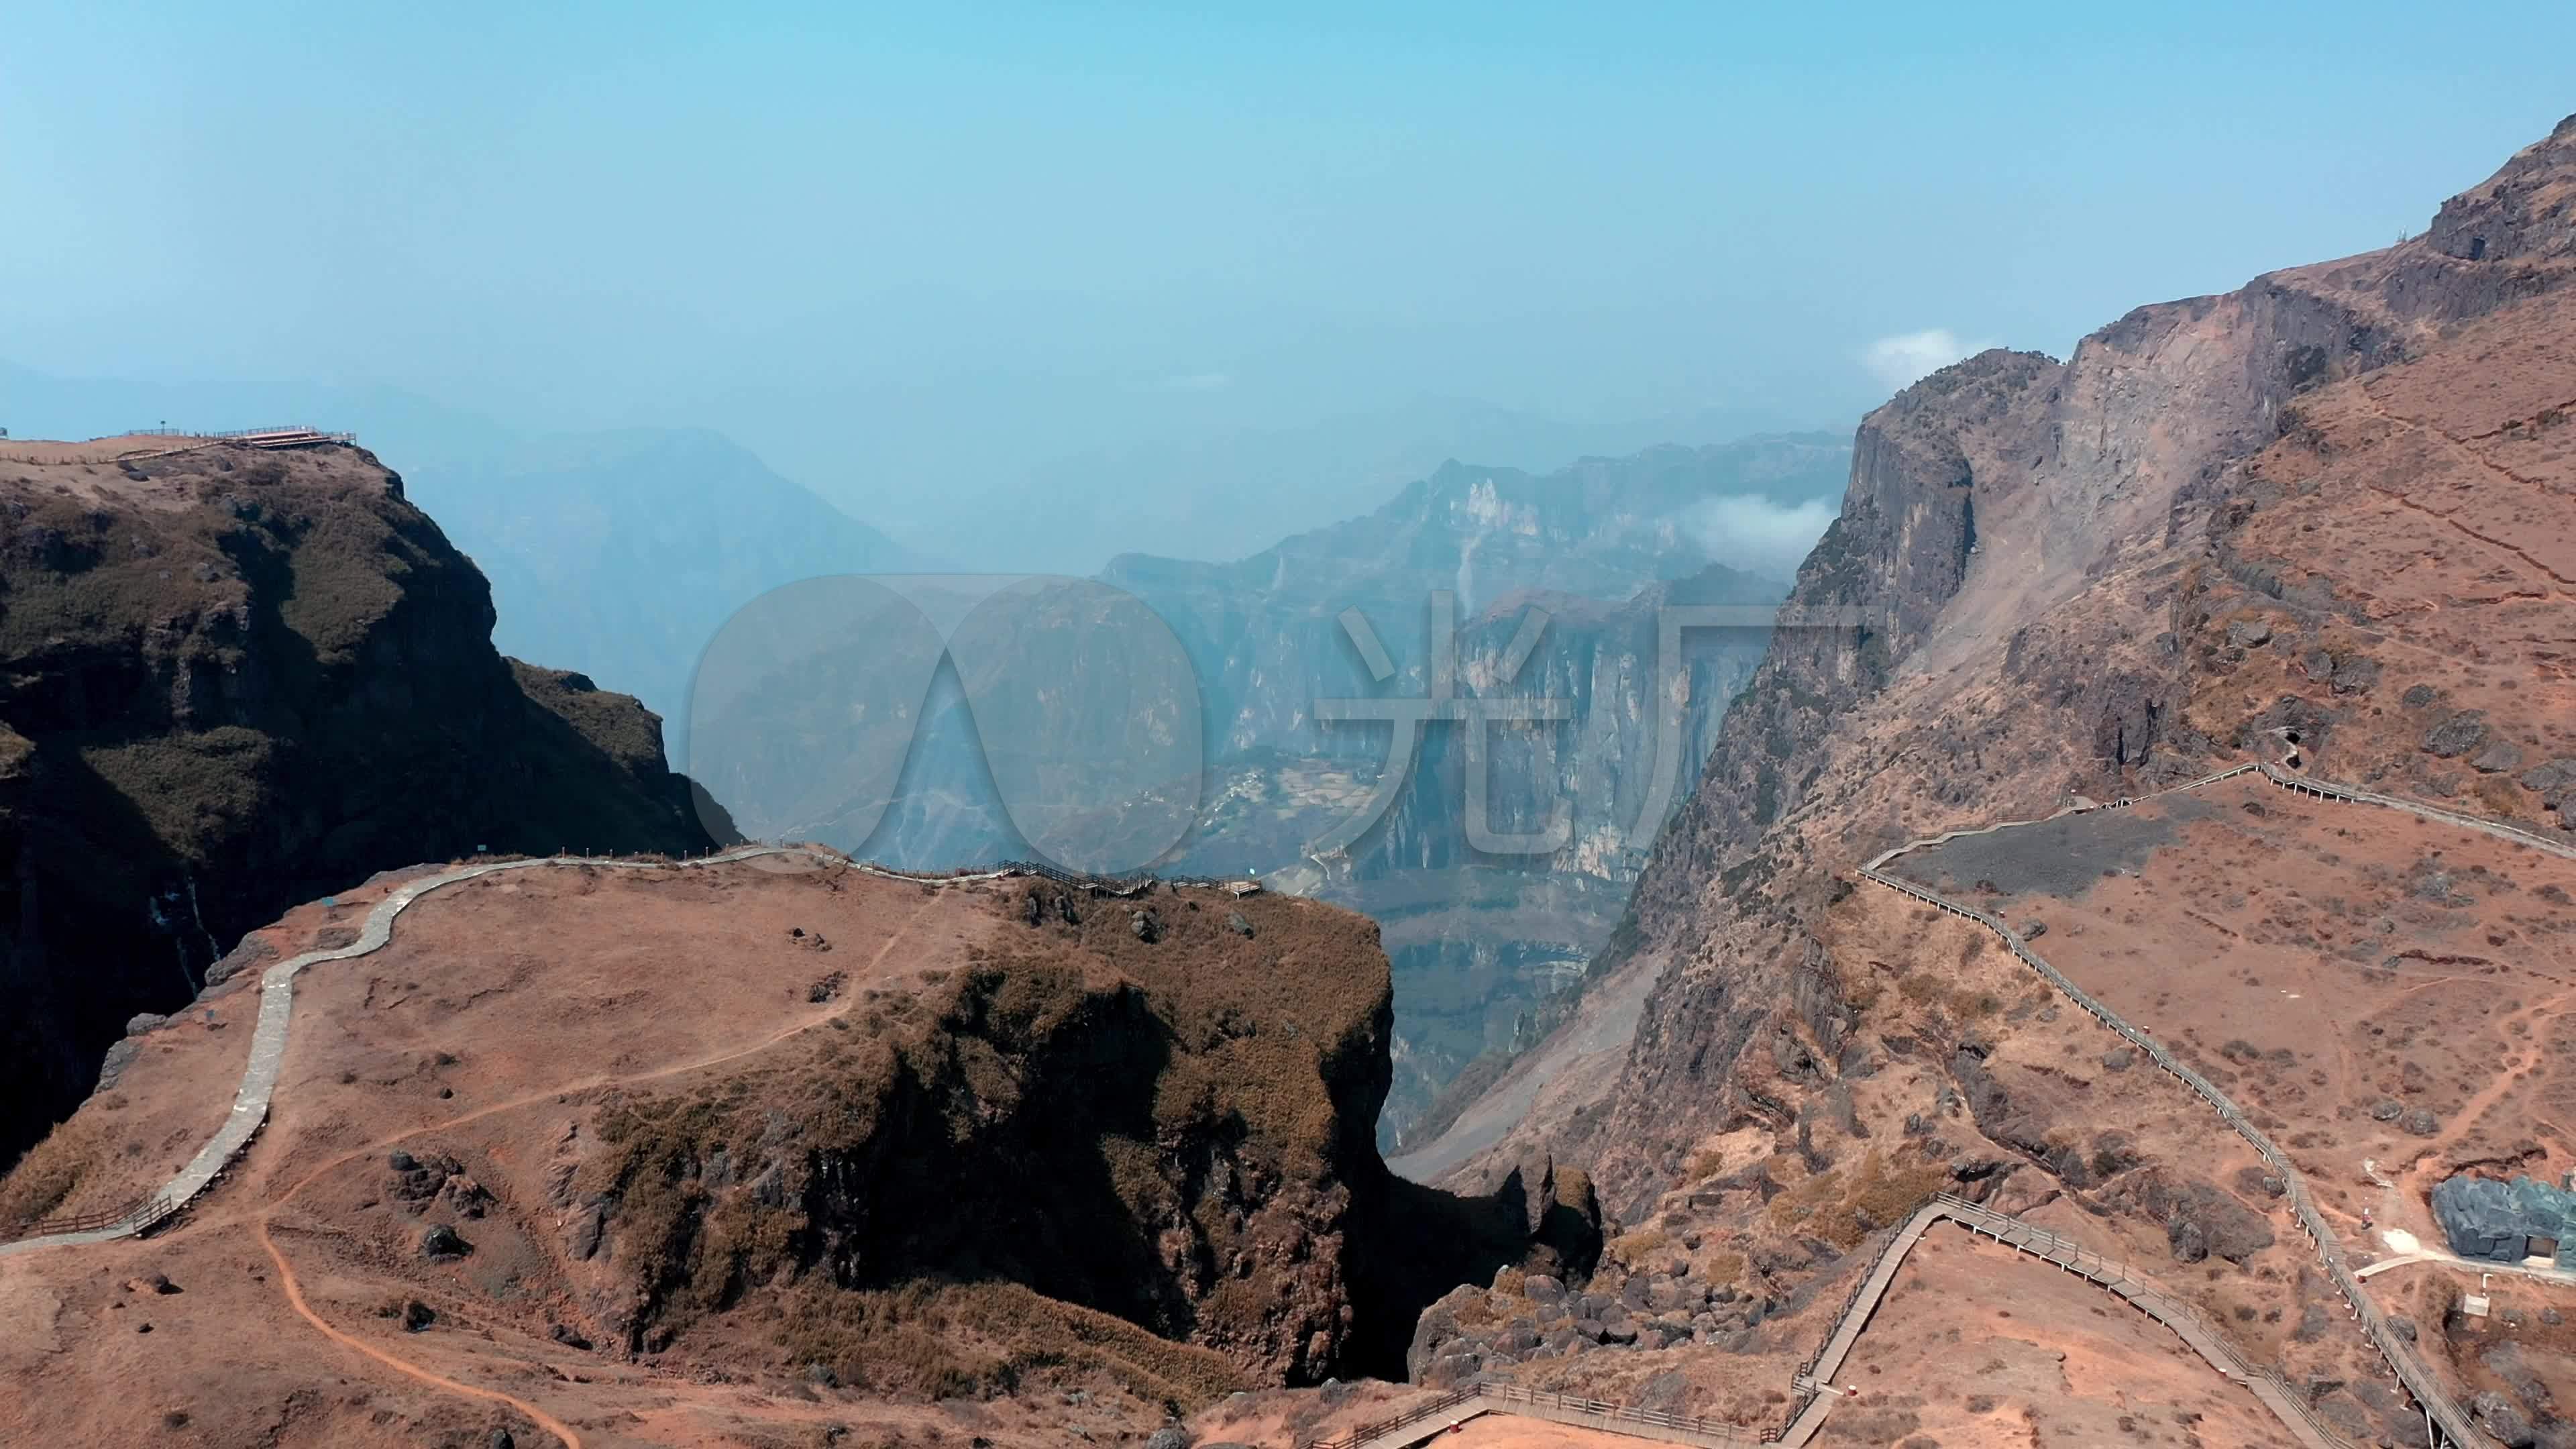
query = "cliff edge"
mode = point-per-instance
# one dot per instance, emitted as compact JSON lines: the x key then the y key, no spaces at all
{"x":231,"y":680}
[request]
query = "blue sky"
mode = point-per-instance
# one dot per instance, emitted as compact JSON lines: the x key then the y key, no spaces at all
{"x":911,"y":255}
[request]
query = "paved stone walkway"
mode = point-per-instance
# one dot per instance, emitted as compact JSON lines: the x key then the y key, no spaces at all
{"x":268,"y":1048}
{"x":277,"y":1007}
{"x":2446,"y":1421}
{"x":1811,"y":1383}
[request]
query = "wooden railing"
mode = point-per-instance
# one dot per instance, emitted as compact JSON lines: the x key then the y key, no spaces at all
{"x":1429,"y":1409}
{"x":139,"y":1216}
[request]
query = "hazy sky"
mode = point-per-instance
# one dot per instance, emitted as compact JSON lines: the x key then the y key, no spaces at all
{"x":910,"y":255}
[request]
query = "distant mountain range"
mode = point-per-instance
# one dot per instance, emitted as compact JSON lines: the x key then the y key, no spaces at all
{"x":620,"y":555}
{"x":1479,"y":938}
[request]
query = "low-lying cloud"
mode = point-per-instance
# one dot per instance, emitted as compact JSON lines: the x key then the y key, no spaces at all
{"x":1758,"y":535}
{"x":1907,"y":356}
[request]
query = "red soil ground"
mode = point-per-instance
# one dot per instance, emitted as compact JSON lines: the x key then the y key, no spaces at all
{"x":500,"y":1014}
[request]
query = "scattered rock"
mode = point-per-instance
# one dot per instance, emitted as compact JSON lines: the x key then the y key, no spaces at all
{"x":2456,"y":736}
{"x":2255,"y":1182}
{"x":501,"y":1439}
{"x":582,"y":1236}
{"x":2498,"y":757}
{"x":2119,"y":1059}
{"x":113,"y":1065}
{"x":2202,"y":1219}
{"x":250,"y":953}
{"x":2554,"y":775}
{"x":417,"y":1315}
{"x":401,"y":1161}
{"x":1452,"y":1369}
{"x":2498,"y":1416}
{"x":1147,"y":925}
{"x":2354,"y":674}
{"x":2249,"y":633}
{"x":442,"y":1243}
{"x":2419,"y":696}
{"x":2033,"y":930}
{"x":1434,"y":1332}
{"x":1170,"y":1436}
{"x":1235,"y":922}
{"x":565,"y":1334}
{"x":2388,"y":1110}
{"x":143,"y":1021}
{"x":2421,"y":1122}
{"x":1665,"y":1393}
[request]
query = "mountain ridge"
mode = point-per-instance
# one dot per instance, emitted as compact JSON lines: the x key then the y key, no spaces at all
{"x":238,"y":678}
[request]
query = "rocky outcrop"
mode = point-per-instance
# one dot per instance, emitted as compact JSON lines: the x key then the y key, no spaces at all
{"x":238,"y":680}
{"x":1176,"y":1130}
{"x":1481,"y":934}
{"x":2048,"y":557}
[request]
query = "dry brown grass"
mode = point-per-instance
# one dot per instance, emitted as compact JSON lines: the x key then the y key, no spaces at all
{"x":982,"y":1340}
{"x":50,"y":1172}
{"x":1043,"y":1118}
{"x":1631,"y":1250}
{"x":2501,"y":796}
{"x":1842,"y":1207}
{"x":1721,"y":1268}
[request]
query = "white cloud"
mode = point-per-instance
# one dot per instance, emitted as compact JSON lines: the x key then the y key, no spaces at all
{"x":1901,"y":359}
{"x":1750,"y":532}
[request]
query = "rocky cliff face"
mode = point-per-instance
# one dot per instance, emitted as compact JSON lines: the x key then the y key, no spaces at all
{"x":2050,"y":555}
{"x":236,"y":680}
{"x":1481,"y":936}
{"x":1443,"y":580}
{"x":2320,"y":520}
{"x":1159,"y":1109}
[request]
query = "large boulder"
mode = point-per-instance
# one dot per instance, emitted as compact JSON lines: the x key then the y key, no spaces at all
{"x":2202,"y":1220}
{"x":2456,"y":736}
{"x":2500,"y":1417}
{"x":1438,"y":1332}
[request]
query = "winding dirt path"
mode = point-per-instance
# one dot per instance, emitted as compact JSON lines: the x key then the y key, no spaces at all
{"x":294,"y":1292}
{"x":233,"y":1142}
{"x":264,"y":1221}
